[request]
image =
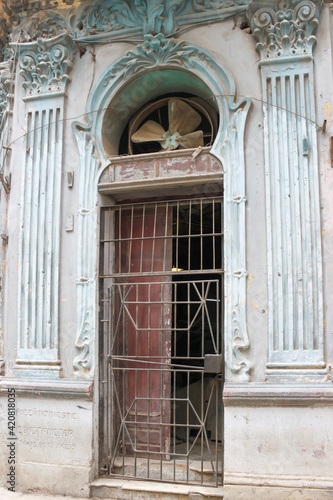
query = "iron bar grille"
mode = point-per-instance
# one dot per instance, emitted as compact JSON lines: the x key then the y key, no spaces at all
{"x":161,"y":284}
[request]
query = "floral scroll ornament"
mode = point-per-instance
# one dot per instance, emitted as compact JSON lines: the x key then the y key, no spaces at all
{"x":6,"y":82}
{"x":240,"y":341}
{"x":121,"y":19}
{"x":45,"y":65}
{"x":288,"y":31}
{"x":83,"y":361}
{"x":153,"y":16}
{"x":154,"y":51}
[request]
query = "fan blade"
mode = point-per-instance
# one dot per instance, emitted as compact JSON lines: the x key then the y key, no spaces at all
{"x":182,"y":118}
{"x":193,"y":140}
{"x":150,"y":131}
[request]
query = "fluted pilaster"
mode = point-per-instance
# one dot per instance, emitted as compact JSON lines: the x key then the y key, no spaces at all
{"x":285,"y":34}
{"x":44,"y":66}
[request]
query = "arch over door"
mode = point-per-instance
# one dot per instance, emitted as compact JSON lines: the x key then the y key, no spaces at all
{"x":162,"y":65}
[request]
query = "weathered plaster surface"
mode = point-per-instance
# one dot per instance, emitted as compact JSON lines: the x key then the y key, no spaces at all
{"x":285,"y":39}
{"x":244,"y":66}
{"x":279,"y":446}
{"x":50,"y":422}
{"x":324,"y":111}
{"x":282,"y":445}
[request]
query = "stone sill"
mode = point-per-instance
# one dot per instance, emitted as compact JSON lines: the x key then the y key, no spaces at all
{"x":253,"y":394}
{"x":166,"y":184}
{"x":278,"y":481}
{"x":108,"y":487}
{"x":62,"y":387}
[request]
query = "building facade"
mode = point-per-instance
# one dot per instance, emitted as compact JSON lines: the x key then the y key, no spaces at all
{"x":166,"y":234}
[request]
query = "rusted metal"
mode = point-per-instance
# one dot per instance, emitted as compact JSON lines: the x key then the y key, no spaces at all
{"x":213,"y":363}
{"x":161,"y":316}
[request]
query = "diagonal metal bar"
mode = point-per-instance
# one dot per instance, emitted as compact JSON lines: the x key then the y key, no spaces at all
{"x":120,"y":429}
{"x":195,"y":313}
{"x":119,"y":314}
{"x":214,"y":386}
{"x":208,"y":318}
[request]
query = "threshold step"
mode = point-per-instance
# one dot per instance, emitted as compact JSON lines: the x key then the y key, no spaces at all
{"x":126,"y":489}
{"x":195,"y":471}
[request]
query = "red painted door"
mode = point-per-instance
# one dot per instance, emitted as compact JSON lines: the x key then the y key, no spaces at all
{"x":143,"y":307}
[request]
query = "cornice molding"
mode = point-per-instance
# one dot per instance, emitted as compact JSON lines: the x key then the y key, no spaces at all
{"x":82,"y":389}
{"x":285,"y":28}
{"x":45,"y":65}
{"x":253,"y":394}
{"x":107,"y":20}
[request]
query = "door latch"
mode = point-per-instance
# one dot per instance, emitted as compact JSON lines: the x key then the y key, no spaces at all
{"x":213,"y":363}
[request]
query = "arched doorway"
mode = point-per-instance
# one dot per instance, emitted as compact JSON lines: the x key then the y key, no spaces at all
{"x":123,"y":89}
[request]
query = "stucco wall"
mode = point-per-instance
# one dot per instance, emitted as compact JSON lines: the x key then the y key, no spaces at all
{"x":256,"y":437}
{"x":323,"y":82}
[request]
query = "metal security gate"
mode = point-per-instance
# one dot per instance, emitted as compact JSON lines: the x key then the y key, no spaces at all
{"x":161,"y":368}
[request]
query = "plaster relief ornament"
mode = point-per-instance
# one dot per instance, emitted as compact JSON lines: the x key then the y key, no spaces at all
{"x":238,"y":363}
{"x":45,"y":65}
{"x":159,"y":53}
{"x":286,"y":30}
{"x":17,"y":6}
{"x":203,"y":5}
{"x":152,"y":15}
{"x":153,"y":52}
{"x":104,"y":20}
{"x":6,"y":82}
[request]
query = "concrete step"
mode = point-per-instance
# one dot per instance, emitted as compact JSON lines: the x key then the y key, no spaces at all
{"x":125,"y":489}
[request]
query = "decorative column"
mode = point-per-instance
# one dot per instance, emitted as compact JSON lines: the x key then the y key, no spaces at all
{"x":6,"y":99}
{"x":45,"y":65}
{"x":285,"y":34}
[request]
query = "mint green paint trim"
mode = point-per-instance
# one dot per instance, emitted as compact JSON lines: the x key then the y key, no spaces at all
{"x":285,"y":39}
{"x":144,"y":88}
{"x":86,"y":282}
{"x":45,"y":67}
{"x":103,"y":21}
{"x":159,"y":54}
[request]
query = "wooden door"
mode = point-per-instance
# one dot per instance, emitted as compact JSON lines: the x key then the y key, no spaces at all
{"x":143,"y":348}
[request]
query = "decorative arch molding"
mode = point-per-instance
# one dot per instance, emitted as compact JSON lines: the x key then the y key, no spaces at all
{"x":157,"y":53}
{"x":86,"y":281}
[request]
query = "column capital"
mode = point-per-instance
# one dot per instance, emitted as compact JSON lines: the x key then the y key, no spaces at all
{"x":45,"y":64}
{"x":284,"y":28}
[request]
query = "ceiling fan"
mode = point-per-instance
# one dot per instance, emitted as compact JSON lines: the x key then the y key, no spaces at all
{"x":183,"y":122}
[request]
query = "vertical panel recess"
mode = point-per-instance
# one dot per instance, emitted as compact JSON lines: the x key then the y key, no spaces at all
{"x":40,"y":236}
{"x":293,"y":218}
